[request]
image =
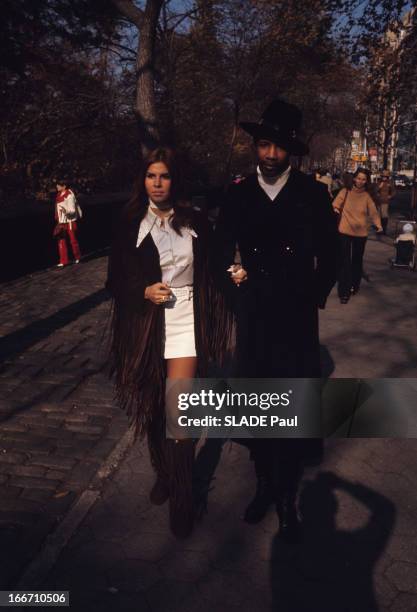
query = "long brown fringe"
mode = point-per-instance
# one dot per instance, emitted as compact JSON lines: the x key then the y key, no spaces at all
{"x":137,"y":364}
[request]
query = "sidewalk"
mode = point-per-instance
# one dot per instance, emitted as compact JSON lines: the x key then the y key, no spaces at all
{"x":58,"y":424}
{"x":57,"y":419}
{"x":359,"y":552}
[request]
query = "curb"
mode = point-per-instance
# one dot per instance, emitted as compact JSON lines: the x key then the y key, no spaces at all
{"x":38,"y":569}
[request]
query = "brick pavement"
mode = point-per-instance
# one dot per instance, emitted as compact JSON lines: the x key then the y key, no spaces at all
{"x":57,"y":419}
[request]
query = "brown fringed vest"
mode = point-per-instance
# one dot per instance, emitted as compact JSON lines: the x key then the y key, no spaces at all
{"x":137,"y":324}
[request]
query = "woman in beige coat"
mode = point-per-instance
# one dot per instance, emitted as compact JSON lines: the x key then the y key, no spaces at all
{"x":355,"y":207}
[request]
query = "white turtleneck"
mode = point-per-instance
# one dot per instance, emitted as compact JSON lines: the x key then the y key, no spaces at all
{"x":272,"y":186}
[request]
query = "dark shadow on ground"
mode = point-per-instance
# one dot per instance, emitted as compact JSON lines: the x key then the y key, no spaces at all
{"x":331,"y":569}
{"x":21,"y":340}
{"x":326,"y":362}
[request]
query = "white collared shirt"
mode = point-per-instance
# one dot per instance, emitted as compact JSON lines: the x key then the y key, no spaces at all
{"x":272,"y":187}
{"x":175,"y":251}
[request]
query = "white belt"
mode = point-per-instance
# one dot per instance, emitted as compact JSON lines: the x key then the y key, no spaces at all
{"x":186,"y":292}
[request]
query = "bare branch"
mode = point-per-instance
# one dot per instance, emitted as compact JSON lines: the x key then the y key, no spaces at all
{"x":130,"y":11}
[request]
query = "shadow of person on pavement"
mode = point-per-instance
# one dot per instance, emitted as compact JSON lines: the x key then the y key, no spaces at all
{"x":326,"y":361}
{"x":331,"y":569}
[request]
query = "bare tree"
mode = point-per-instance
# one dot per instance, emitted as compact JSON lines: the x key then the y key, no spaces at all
{"x":146,"y":21}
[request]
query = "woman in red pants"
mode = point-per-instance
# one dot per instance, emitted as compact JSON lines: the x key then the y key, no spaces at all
{"x":67,"y":212}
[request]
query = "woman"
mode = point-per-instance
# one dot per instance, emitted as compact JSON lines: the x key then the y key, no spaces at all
{"x":386,"y":192}
{"x":67,"y":212}
{"x":168,"y":319}
{"x":354,"y":207}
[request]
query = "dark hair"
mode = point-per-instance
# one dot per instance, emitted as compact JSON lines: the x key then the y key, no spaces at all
{"x":367,"y":174}
{"x":139,"y":201}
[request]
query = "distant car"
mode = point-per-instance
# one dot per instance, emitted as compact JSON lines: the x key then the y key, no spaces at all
{"x":401,"y":181}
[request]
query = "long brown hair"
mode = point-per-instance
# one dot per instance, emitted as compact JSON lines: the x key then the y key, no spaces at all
{"x":139,"y":201}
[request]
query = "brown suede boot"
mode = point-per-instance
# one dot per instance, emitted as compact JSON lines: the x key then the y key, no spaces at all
{"x":157,"y":449}
{"x":180,"y":460}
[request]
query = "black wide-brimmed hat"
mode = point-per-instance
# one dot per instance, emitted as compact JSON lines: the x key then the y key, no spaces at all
{"x":279,"y":123}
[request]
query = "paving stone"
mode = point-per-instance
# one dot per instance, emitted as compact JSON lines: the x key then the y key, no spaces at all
{"x":40,"y":495}
{"x":35,"y":483}
{"x":22,"y":470}
{"x":13,"y":427}
{"x":403,"y":576}
{"x":76,"y":418}
{"x":92,"y":410}
{"x":404,"y":603}
{"x":57,"y":462}
{"x":75,"y":449}
{"x":403,"y":549}
{"x":54,"y":433}
{"x":28,"y":446}
{"x":55,"y":408}
{"x":84,"y":429}
{"x":11,"y":457}
{"x":56,"y":475}
{"x":9,"y":491}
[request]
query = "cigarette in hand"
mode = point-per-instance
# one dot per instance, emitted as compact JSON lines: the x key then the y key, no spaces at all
{"x":237,"y":272}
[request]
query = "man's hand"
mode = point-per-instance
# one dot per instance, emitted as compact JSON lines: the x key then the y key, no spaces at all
{"x":237,"y":274}
{"x":157,"y":293}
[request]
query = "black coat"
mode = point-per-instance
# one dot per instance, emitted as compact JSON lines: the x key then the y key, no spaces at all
{"x":289,"y":247}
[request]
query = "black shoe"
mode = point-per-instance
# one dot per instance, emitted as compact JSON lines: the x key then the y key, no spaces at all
{"x":258,"y":507}
{"x":289,"y":527}
{"x":344,"y":299}
{"x":159,"y":492}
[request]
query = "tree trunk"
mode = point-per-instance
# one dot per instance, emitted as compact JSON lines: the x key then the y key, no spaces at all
{"x":385,"y":147}
{"x":145,"y":108}
{"x":236,"y":112}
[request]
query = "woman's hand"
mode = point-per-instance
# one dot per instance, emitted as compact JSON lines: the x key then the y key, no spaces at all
{"x":237,"y":274}
{"x":158,"y":293}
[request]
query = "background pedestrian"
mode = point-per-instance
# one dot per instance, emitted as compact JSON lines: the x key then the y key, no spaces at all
{"x":67,"y":213}
{"x":354,"y":207}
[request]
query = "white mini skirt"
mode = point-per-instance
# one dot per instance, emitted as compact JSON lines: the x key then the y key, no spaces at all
{"x":179,"y":324}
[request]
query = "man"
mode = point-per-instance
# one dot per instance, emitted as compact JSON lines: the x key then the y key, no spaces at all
{"x":67,"y":211}
{"x":385,"y":193}
{"x":282,"y":222}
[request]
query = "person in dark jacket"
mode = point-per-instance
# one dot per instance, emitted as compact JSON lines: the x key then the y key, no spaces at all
{"x":167,"y":320}
{"x":282,"y":224}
